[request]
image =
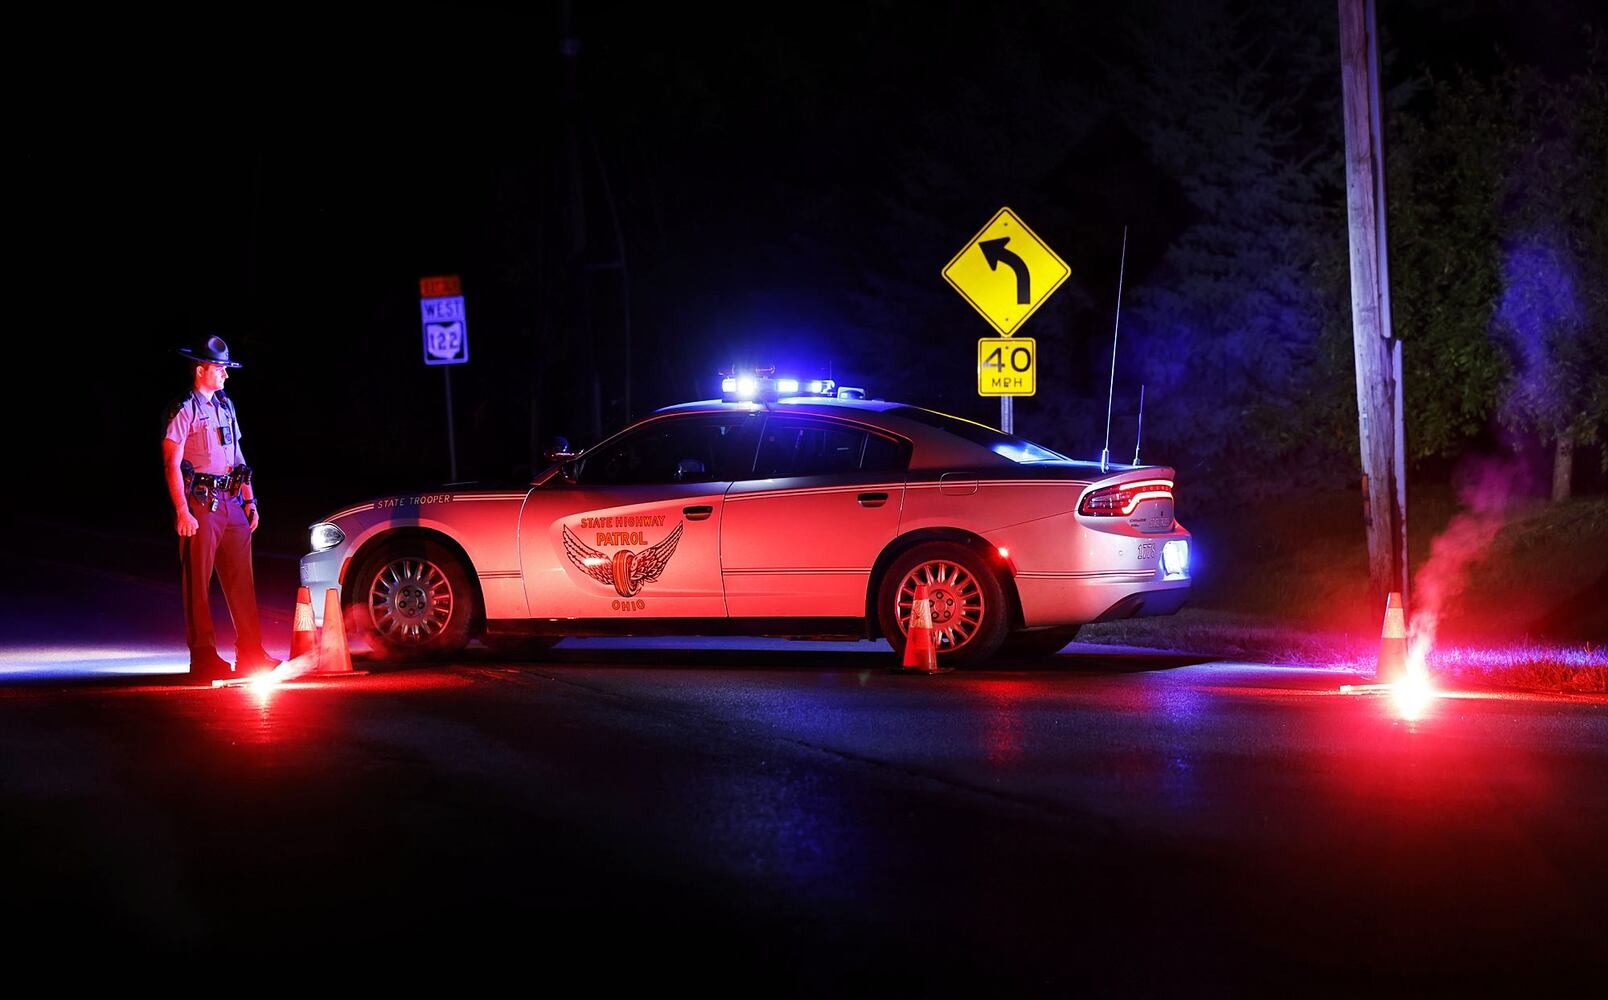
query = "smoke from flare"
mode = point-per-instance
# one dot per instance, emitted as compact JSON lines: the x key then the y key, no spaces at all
{"x":1486,"y":495}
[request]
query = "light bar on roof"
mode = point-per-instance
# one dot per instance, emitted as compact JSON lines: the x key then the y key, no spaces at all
{"x":762,"y":384}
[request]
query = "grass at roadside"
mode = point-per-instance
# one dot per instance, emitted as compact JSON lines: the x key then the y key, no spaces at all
{"x":1526,"y":664}
{"x":1288,"y":584}
{"x":1532,"y":666}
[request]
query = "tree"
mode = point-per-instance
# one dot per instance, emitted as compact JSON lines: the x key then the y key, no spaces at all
{"x":1445,"y":179}
{"x":1499,"y":247}
{"x":1552,"y":315}
{"x":1244,"y":112}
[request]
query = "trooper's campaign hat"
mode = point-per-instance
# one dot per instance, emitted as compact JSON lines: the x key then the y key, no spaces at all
{"x":213,"y":352}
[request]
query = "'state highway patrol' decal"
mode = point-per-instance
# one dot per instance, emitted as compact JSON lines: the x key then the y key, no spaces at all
{"x":625,"y":570}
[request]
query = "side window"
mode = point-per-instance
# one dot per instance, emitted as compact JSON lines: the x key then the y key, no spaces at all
{"x":690,"y":449}
{"x":885,"y":455}
{"x":793,"y":446}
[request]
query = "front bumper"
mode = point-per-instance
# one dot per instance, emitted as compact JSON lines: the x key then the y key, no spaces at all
{"x":320,"y":573}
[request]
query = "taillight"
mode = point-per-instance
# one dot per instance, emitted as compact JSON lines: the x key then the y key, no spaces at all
{"x":1121,"y":499}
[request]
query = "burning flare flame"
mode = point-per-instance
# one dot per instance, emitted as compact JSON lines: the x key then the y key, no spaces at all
{"x":286,"y":671}
{"x":1415,"y":692}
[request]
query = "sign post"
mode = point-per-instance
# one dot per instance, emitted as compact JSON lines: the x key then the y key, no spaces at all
{"x":446,"y":341}
{"x":1006,"y":272}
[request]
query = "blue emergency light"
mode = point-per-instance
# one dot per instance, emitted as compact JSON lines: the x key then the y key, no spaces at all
{"x":762,"y":384}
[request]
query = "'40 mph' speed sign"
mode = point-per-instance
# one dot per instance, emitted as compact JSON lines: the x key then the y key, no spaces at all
{"x":1005,"y":366}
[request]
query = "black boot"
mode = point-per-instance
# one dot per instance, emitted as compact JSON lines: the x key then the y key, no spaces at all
{"x":207,"y":666}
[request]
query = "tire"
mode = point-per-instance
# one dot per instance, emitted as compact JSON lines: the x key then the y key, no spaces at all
{"x":413,"y":600}
{"x":1038,"y":643}
{"x":970,"y":614}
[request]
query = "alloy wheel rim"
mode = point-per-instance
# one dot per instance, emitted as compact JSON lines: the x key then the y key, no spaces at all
{"x":958,"y":607}
{"x":410,"y":601}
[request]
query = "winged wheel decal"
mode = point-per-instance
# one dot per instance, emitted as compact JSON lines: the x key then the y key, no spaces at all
{"x":624,"y":570}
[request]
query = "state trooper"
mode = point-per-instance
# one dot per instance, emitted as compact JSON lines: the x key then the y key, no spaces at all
{"x":215,"y":513}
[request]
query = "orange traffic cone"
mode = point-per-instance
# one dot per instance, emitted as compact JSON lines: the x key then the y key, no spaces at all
{"x":1392,"y":643}
{"x":920,"y":652}
{"x":303,"y":634}
{"x":333,"y":656}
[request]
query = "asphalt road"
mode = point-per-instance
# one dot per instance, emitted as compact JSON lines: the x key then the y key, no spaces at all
{"x":805,"y":819}
{"x":782,"y":817}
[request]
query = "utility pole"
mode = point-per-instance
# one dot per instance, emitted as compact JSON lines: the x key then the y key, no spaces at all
{"x":1377,"y":351}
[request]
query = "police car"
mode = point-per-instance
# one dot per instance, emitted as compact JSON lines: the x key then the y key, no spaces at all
{"x":780,"y":509}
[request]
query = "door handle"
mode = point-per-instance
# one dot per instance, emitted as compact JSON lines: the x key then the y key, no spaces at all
{"x":700,"y":513}
{"x":873,"y":499}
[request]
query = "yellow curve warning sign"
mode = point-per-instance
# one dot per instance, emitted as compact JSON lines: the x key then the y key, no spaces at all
{"x":1006,"y":272}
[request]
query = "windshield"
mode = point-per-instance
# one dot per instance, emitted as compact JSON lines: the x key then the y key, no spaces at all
{"x":1019,"y":450}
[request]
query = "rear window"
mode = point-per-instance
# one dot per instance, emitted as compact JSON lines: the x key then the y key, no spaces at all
{"x":1019,"y":450}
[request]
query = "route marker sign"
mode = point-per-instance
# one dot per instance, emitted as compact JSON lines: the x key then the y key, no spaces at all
{"x":446,"y":332}
{"x":1007,"y":366}
{"x":1006,"y":272}
{"x":446,"y":341}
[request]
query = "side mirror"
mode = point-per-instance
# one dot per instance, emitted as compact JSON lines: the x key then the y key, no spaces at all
{"x":690,"y":470}
{"x":558,"y":450}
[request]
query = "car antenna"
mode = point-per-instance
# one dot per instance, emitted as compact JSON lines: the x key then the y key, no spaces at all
{"x":1105,"y":453}
{"x":1140,"y":430}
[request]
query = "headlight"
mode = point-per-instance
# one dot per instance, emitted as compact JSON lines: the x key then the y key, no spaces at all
{"x":1175,"y":559}
{"x":327,"y":536}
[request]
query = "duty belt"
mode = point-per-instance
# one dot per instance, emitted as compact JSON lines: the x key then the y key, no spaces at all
{"x":210,"y":489}
{"x":214,"y":484}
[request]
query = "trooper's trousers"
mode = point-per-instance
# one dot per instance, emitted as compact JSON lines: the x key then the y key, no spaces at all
{"x":222,"y":541}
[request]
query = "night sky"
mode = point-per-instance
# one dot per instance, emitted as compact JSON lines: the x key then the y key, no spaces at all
{"x":284,"y":180}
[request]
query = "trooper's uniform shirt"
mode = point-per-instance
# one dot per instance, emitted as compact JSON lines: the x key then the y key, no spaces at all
{"x":208,"y":431}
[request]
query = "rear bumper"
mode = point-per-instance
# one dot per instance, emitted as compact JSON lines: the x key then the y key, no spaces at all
{"x":1145,"y":605}
{"x":1077,"y":599}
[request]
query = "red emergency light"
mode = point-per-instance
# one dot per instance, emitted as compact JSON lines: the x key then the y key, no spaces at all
{"x":1121,"y":499}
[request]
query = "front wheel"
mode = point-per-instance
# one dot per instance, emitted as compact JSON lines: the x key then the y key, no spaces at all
{"x":414,"y":599}
{"x":969,"y":614}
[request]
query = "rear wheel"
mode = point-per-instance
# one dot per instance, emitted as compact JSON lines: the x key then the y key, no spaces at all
{"x":969,"y":613}
{"x":414,"y":599}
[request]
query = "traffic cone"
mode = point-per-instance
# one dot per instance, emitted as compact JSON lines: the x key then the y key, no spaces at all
{"x":303,"y":634}
{"x":920,"y":652}
{"x":1392,"y":643}
{"x":333,"y":656}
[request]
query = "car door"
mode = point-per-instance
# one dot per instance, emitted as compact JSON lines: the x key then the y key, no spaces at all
{"x":634,"y":529}
{"x":799,"y":537}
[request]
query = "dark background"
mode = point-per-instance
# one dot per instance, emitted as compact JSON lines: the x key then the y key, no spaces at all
{"x":783,"y":186}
